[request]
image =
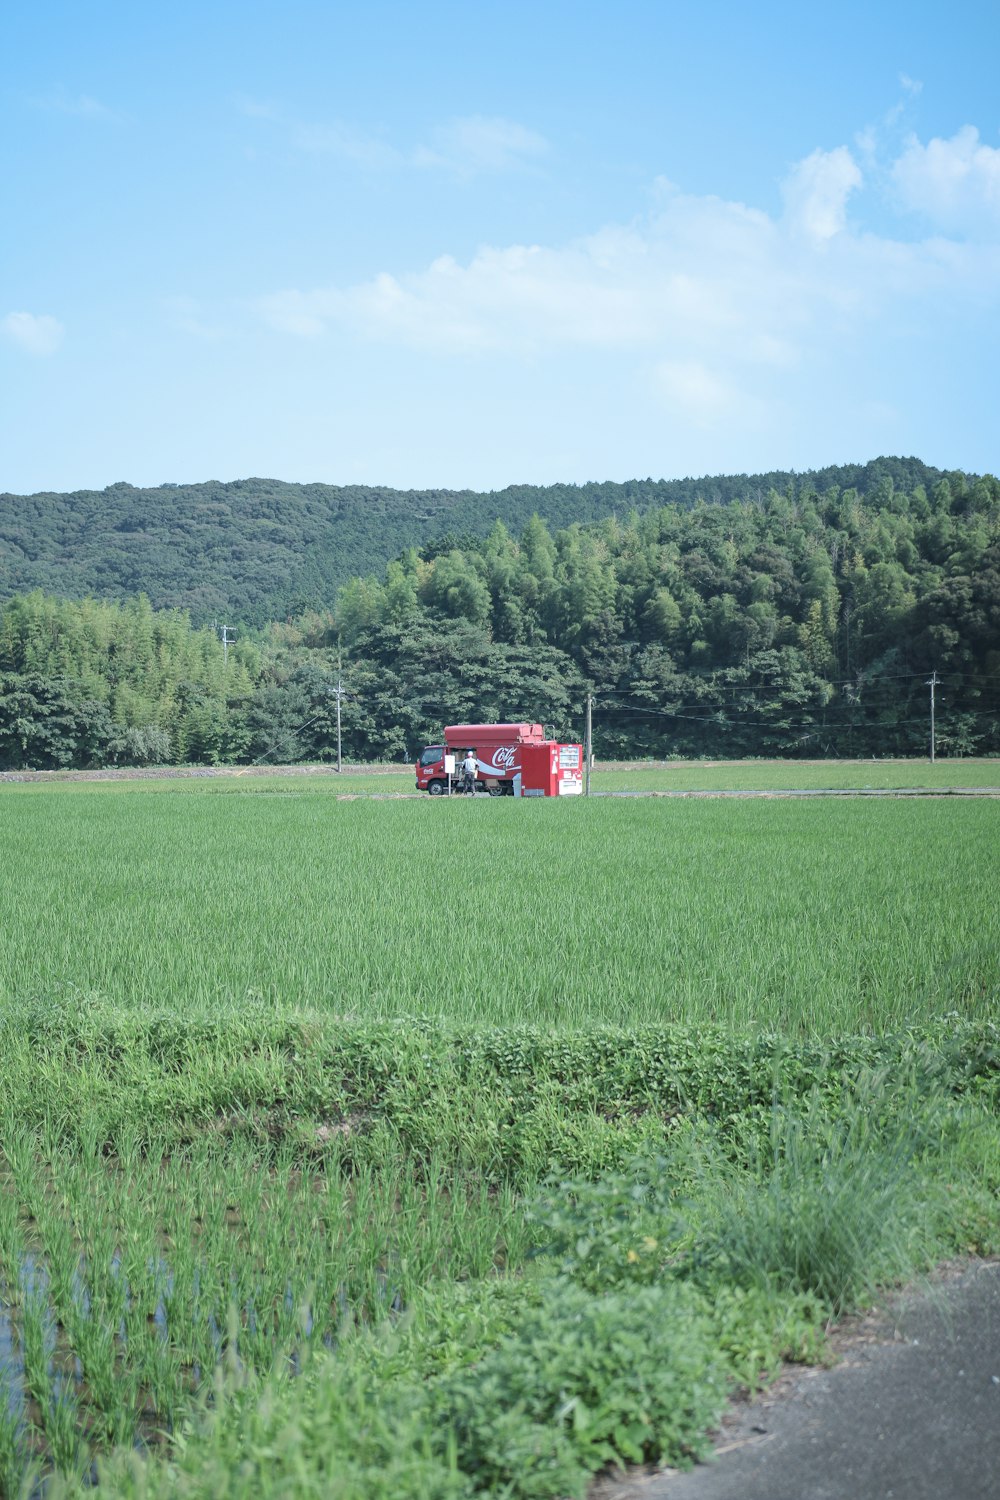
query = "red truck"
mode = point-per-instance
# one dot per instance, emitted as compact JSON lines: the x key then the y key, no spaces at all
{"x":502,"y":751}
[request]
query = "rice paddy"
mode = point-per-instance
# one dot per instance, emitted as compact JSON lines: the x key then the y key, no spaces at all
{"x":130,"y":1275}
{"x":284,"y":1072}
{"x":798,"y":775}
{"x":820,"y":916}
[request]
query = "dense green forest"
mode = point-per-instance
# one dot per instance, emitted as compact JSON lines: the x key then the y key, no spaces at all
{"x":258,"y":550}
{"x":803,"y":620}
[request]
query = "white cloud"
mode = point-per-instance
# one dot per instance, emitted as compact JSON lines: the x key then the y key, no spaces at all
{"x":955,"y":183}
{"x":719,"y":309}
{"x":816,"y":192}
{"x":38,"y":335}
{"x":678,"y":275}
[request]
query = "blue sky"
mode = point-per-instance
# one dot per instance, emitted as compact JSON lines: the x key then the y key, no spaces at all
{"x":479,"y":244}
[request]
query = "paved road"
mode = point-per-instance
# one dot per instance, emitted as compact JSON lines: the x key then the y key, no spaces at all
{"x":912,"y":1412}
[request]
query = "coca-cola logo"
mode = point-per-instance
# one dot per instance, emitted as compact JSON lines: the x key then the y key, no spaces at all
{"x":503,"y":758}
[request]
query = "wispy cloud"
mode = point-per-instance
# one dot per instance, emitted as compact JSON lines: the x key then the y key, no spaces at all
{"x":349,"y":144}
{"x":464,"y":147}
{"x":186,"y":315}
{"x":38,"y":335}
{"x":481,"y":144}
{"x":703,"y":397}
{"x":256,"y":109}
{"x":81,"y":106}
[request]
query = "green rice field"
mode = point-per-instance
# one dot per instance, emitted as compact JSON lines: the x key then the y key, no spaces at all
{"x":797,"y":775}
{"x":811,"y":916}
{"x":363,"y":1145}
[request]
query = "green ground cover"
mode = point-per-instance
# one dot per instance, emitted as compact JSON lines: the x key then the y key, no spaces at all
{"x":246,"y":1253}
{"x":817,"y":917}
{"x":363,"y":1147}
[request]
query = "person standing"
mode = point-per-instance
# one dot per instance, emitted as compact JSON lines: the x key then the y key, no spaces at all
{"x":469,"y":768}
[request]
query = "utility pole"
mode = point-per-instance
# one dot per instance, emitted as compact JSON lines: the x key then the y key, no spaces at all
{"x":587,"y":747}
{"x":339,"y":696}
{"x":932,"y":683}
{"x":339,"y":690}
{"x":225,"y":643}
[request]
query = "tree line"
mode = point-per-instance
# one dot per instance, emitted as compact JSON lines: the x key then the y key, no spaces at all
{"x":794,"y":621}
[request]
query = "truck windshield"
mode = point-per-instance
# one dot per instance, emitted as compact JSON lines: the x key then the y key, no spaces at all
{"x":431,"y":755}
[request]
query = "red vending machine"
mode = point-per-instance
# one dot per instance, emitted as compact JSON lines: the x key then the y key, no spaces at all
{"x":551,"y":770}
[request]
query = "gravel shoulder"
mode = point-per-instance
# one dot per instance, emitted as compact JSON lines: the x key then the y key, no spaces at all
{"x":911,"y":1411}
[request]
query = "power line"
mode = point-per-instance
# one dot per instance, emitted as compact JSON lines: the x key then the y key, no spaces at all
{"x":867,"y":684}
{"x":335,"y":692}
{"x":722,"y":707}
{"x":720,"y":720}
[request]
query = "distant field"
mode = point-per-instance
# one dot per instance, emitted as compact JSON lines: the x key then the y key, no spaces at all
{"x":812,"y":916}
{"x":638,"y":776}
{"x":795,"y":775}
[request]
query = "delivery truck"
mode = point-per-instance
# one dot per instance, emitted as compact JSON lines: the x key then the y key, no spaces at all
{"x":510,"y":759}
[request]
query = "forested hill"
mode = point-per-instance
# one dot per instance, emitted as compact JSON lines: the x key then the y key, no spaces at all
{"x":788,"y":624}
{"x":258,"y":549}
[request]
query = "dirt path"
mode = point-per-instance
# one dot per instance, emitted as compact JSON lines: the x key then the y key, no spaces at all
{"x":812,"y":791}
{"x":911,"y":1412}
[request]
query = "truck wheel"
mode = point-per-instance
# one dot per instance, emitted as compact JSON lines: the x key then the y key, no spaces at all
{"x":436,"y":788}
{"x":496,"y":790}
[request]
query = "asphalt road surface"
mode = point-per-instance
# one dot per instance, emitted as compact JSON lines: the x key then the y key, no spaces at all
{"x":911,"y":1411}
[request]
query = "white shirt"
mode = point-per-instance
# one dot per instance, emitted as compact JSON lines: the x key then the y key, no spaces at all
{"x":469,"y":764}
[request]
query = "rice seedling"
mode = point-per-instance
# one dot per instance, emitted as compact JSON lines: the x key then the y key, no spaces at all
{"x":13,"y":1456}
{"x":37,"y":1338}
{"x":61,"y":1425}
{"x":11,"y":1239}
